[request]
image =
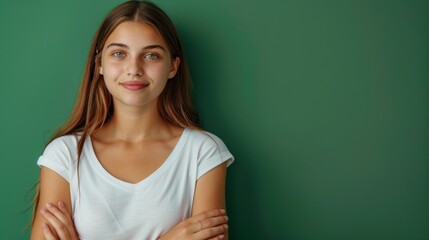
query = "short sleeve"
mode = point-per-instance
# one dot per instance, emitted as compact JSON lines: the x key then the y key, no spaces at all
{"x":60,"y":156}
{"x":213,"y":152}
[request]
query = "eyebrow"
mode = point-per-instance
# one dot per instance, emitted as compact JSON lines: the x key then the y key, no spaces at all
{"x":145,"y":48}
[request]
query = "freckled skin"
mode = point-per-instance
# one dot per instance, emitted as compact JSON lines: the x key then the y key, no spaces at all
{"x":136,"y":53}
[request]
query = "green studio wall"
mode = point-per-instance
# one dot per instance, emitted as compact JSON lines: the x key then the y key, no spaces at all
{"x":325,"y":105}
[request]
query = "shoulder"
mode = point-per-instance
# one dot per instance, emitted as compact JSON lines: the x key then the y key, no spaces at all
{"x":61,"y":156}
{"x":62,"y":150}
{"x":67,"y":143}
{"x":207,"y":145}
{"x":204,"y":139}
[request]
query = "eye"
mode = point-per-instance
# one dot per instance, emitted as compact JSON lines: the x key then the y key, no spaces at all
{"x":151,"y":56}
{"x":118,"y":54}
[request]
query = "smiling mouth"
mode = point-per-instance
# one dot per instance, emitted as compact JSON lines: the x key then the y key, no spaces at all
{"x":134,"y":85}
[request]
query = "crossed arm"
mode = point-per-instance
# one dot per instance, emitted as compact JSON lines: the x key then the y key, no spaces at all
{"x":208,"y":220}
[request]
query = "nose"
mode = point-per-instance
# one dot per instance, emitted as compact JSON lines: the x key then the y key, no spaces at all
{"x":135,"y":67}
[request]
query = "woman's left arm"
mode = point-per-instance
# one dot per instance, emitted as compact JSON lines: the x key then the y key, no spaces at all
{"x":208,"y":199}
{"x":210,"y":192}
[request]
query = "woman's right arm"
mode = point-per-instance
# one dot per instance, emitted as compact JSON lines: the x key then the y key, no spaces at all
{"x":53,"y":188}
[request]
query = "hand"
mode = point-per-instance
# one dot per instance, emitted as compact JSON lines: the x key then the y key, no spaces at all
{"x":210,"y":225}
{"x":60,"y":225}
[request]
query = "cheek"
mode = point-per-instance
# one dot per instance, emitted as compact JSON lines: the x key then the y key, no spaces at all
{"x":111,"y":78}
{"x":111,"y":73}
{"x":158,"y":71}
{"x":109,"y":85}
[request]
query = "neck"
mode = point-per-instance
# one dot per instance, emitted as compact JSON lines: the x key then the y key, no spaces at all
{"x":136,"y":124}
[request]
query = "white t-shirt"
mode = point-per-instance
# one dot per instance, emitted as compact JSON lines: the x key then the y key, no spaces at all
{"x":105,"y":207}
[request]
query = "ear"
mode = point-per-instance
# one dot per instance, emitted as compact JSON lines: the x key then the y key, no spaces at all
{"x":100,"y":70}
{"x":174,"y":67}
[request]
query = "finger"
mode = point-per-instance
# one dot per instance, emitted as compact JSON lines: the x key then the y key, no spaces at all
{"x":59,"y":214}
{"x":218,"y":237}
{"x":207,"y":214}
{"x":214,"y":221}
{"x":63,"y":208}
{"x":211,"y":232}
{"x":63,"y":215}
{"x":53,"y":232}
{"x":69,"y":222}
{"x":56,"y":224}
{"x":207,"y":223}
{"x":47,"y":232}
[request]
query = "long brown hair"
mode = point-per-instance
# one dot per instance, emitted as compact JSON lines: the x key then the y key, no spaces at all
{"x":94,"y":107}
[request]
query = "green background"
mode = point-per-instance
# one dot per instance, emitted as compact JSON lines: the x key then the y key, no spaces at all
{"x":325,"y":105}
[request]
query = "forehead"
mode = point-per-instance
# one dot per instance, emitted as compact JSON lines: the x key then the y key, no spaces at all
{"x":135,"y":34}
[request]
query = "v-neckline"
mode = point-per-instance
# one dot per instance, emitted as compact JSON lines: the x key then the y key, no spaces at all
{"x":95,"y":163}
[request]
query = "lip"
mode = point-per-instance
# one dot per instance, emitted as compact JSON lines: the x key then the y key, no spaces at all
{"x":134,"y":85}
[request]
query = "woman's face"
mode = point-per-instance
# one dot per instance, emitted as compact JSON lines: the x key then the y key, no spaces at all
{"x":136,"y":64}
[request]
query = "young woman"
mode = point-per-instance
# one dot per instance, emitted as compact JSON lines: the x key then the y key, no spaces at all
{"x":132,"y":162}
